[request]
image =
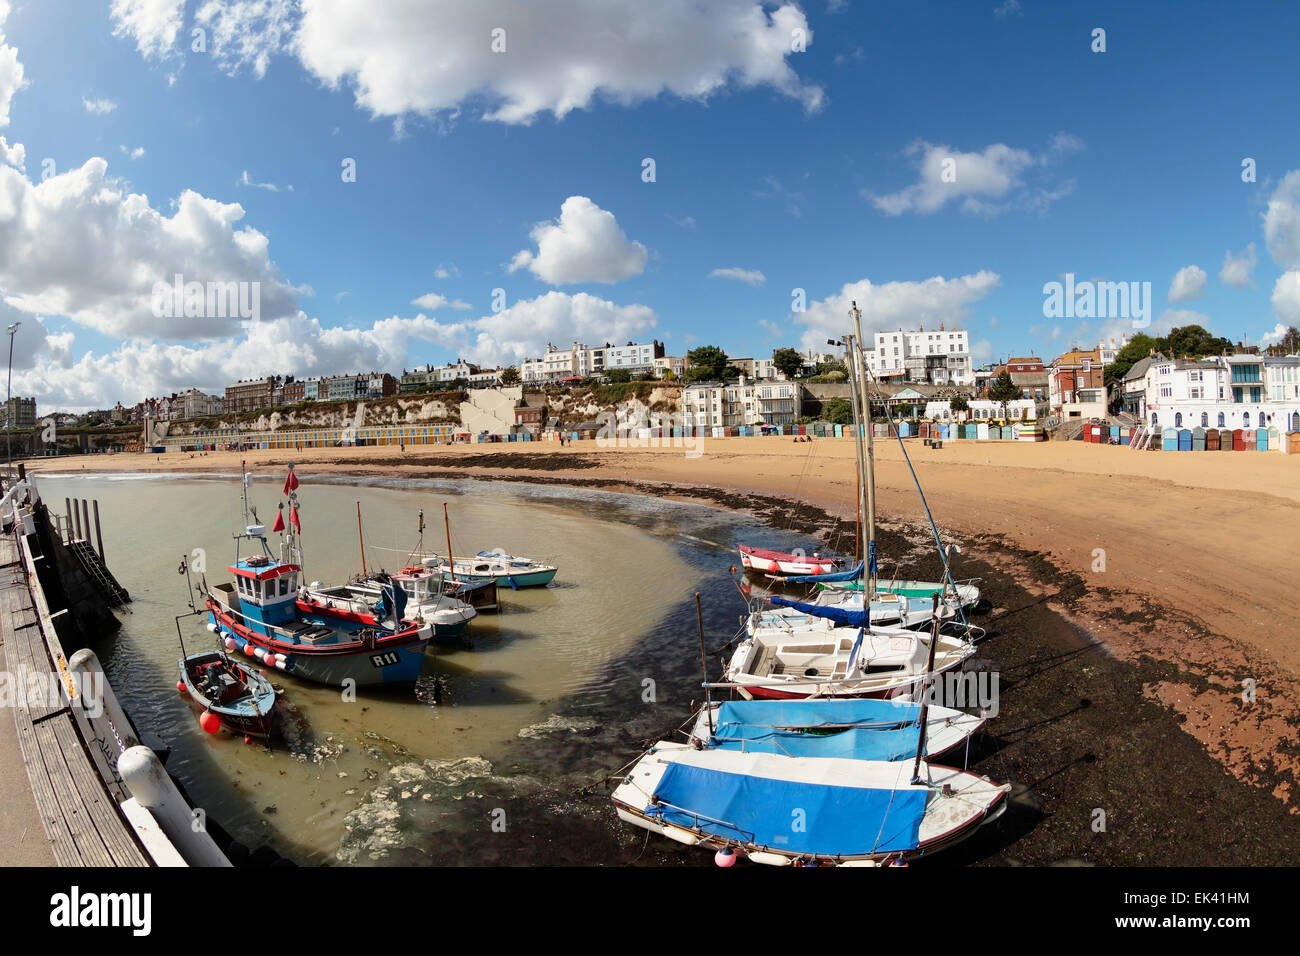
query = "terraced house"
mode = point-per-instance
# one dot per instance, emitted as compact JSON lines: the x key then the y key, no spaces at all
{"x":1231,"y":391}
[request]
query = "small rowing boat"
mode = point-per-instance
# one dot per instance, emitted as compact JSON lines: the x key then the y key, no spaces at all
{"x":782,"y":562}
{"x":242,"y":700}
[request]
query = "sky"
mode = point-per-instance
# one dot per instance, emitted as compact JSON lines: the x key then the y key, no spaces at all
{"x":401,"y":182}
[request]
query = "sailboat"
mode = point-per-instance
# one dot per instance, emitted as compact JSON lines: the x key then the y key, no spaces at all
{"x":260,"y":613}
{"x":882,"y":594}
{"x":808,"y":784}
{"x":782,"y":810}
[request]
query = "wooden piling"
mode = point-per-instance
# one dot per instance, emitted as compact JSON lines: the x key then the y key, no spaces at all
{"x":85,"y":518}
{"x":99,"y":537}
{"x":76,"y":521}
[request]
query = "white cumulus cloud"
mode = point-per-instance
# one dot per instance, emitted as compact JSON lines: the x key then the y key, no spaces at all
{"x":584,"y":245}
{"x":98,"y":107}
{"x":153,"y":24}
{"x":893,"y":305}
{"x":1282,"y":222}
{"x":77,"y":244}
{"x":1236,"y":271}
{"x":12,"y":78}
{"x":432,"y":301}
{"x":1286,"y":297}
{"x":748,"y":276}
{"x":1188,"y":283}
{"x":987,"y":183}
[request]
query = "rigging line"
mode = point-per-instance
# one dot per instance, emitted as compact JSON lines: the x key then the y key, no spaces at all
{"x":798,"y":489}
{"x":947,"y":571}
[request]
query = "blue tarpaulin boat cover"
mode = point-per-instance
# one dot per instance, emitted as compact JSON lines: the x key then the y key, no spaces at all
{"x":833,"y":576}
{"x":817,"y":713}
{"x":860,"y":743}
{"x":838,"y":614}
{"x":835,"y":820}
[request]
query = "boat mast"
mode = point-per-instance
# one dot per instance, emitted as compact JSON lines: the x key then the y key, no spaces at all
{"x":858,"y":428}
{"x":869,"y":572}
{"x":451,"y":565}
{"x":362,"y":541}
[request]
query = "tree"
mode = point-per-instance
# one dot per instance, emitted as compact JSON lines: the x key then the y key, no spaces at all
{"x":1003,"y":390}
{"x":1193,"y":341}
{"x":958,"y":403}
{"x":707,"y":362}
{"x":510,"y":376}
{"x":838,"y":411}
{"x":1138,"y":348}
{"x":1289,"y":344}
{"x":831,"y":367}
{"x":619,"y":375}
{"x":788,"y":362}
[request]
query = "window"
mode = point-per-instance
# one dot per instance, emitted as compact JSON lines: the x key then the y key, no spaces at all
{"x":1178,"y":419}
{"x":1222,"y":421}
{"x":1205,"y":419}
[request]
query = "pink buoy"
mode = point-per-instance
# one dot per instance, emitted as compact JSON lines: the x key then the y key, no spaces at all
{"x":725,"y":857}
{"x":230,"y":643}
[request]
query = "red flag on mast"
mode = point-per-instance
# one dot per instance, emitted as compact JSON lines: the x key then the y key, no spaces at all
{"x":290,"y":482}
{"x":293,"y":518}
{"x":279,"y":519}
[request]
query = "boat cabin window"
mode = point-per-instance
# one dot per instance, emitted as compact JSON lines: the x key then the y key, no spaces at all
{"x":284,"y":585}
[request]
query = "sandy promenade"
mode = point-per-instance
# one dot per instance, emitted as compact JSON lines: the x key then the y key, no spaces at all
{"x":1187,"y":559}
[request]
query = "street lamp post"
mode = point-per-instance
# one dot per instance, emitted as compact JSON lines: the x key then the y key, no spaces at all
{"x":9,"y":400}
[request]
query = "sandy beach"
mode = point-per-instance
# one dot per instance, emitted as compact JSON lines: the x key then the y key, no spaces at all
{"x":1176,"y":566}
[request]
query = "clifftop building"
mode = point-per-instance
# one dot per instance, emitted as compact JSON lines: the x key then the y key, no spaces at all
{"x":936,"y":358}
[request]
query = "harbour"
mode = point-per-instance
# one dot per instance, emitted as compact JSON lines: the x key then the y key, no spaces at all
{"x":499,"y":723}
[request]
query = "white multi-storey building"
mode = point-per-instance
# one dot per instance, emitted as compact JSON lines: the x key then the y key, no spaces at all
{"x":937,"y":358}
{"x":1234,"y":391}
{"x":584,"y":361}
{"x":709,"y":404}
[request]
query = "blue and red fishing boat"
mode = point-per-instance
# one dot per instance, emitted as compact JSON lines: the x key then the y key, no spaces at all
{"x":261,"y":613}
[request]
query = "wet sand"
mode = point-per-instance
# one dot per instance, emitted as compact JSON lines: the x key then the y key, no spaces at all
{"x":1121,"y":672}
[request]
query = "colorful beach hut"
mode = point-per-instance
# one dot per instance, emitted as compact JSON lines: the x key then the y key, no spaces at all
{"x":1169,"y":439}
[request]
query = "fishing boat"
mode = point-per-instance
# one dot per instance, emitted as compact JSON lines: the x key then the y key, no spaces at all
{"x":781,"y":562}
{"x":823,"y":660}
{"x":853,"y":729}
{"x":260,"y":613}
{"x":846,"y":811}
{"x":425,"y":599}
{"x":503,"y":569}
{"x":240,"y":699}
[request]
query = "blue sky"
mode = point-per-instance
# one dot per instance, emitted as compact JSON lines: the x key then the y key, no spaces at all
{"x":128,"y":157}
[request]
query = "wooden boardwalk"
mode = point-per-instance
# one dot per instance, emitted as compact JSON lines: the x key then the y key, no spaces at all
{"x":81,"y":822}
